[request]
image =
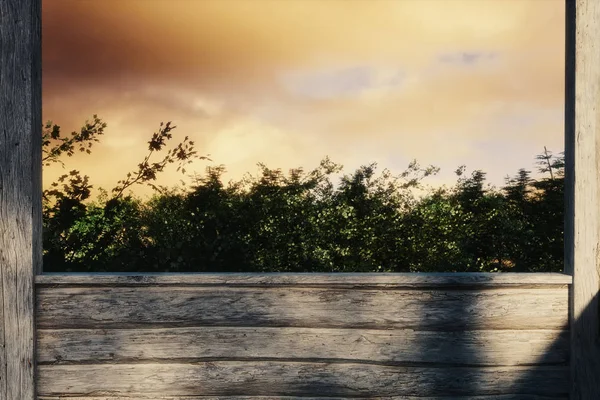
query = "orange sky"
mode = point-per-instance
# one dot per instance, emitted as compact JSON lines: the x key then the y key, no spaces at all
{"x":287,"y":82}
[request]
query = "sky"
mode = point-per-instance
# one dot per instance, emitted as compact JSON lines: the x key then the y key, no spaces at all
{"x":288,"y":82}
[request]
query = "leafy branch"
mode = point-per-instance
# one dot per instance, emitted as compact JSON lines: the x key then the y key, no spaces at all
{"x":77,"y":188}
{"x":183,"y":154}
{"x":53,"y":145}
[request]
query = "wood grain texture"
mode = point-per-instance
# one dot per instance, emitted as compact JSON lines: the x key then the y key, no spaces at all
{"x":451,"y":310}
{"x":338,"y":280}
{"x":268,"y":378}
{"x":486,"y":348}
{"x":139,"y":396}
{"x":583,"y":18}
{"x":20,"y":193}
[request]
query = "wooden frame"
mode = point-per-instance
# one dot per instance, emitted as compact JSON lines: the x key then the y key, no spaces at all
{"x":20,"y":200}
{"x":582,"y":194}
{"x":20,"y":192}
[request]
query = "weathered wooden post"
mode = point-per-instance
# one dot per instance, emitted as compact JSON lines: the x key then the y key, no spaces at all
{"x":582,"y":216}
{"x":20,"y":193}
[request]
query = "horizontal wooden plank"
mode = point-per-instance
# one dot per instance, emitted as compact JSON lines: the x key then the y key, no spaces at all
{"x":391,"y":280}
{"x":133,"y":307}
{"x":154,"y":397}
{"x":296,"y":379}
{"x":237,"y":343}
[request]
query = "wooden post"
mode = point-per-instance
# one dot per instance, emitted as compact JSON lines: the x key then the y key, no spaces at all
{"x":20,"y":193}
{"x":582,"y":225}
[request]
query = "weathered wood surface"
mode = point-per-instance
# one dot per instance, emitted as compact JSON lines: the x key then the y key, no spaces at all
{"x":378,"y":280}
{"x":267,"y":340}
{"x":135,"y":307}
{"x":20,"y":192}
{"x":269,"y":378}
{"x":583,"y":236}
{"x":158,"y":397}
{"x":487,"y":348}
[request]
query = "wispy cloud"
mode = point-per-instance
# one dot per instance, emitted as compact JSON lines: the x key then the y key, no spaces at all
{"x":341,"y":82}
{"x":467,"y":58}
{"x":329,"y":84}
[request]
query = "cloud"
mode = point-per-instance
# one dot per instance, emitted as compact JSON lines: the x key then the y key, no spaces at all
{"x":329,"y":84}
{"x":287,"y":82}
{"x":466,"y":58}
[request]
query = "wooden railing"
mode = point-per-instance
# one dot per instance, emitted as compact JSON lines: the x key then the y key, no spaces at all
{"x":303,"y":335}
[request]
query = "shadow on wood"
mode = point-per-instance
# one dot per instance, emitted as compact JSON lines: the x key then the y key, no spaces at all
{"x":289,"y":335}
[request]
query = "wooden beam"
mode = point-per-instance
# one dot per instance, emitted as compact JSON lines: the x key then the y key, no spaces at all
{"x":20,"y":192}
{"x":485,"y":348}
{"x":432,"y":310}
{"x":303,"y":379}
{"x":582,"y":233}
{"x":409,"y":280}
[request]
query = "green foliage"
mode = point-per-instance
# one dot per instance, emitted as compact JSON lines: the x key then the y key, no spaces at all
{"x":108,"y":234}
{"x":301,"y":221}
{"x":54,"y":145}
{"x":103,"y":238}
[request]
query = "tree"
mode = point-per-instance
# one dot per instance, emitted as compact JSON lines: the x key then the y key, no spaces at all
{"x":300,"y":221}
{"x":81,"y":237}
